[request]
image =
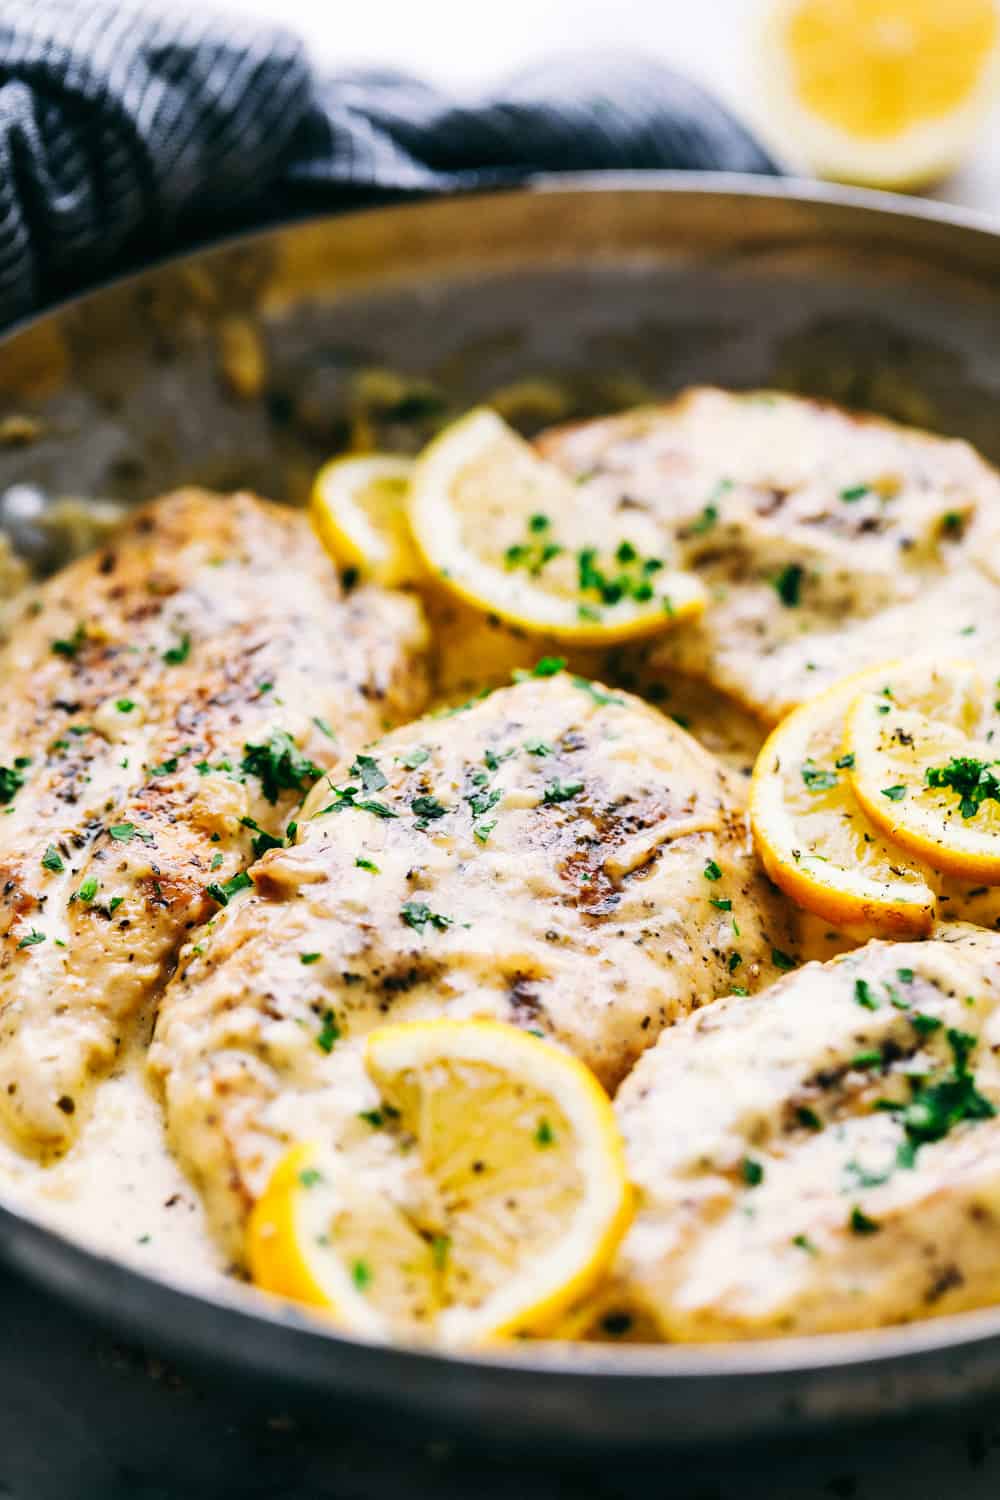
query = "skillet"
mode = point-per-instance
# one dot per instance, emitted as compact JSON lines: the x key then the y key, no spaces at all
{"x":230,"y":367}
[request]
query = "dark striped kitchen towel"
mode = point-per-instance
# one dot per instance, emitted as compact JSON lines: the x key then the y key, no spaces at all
{"x":130,"y":129}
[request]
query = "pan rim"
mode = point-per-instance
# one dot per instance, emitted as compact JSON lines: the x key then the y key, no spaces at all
{"x":883,"y":1348}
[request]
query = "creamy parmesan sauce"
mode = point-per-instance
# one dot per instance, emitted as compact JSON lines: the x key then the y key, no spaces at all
{"x":118,"y":1190}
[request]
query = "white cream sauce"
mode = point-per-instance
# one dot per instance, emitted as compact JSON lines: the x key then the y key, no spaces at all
{"x":118,"y":1190}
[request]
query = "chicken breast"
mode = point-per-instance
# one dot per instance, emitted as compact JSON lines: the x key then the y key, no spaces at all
{"x":167,"y":703}
{"x":829,"y":540}
{"x":554,"y":855}
{"x":822,"y":1156}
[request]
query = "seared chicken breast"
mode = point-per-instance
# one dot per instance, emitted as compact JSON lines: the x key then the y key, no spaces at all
{"x":168,"y":701}
{"x":829,"y":540}
{"x":554,"y":855}
{"x":824,"y":1155}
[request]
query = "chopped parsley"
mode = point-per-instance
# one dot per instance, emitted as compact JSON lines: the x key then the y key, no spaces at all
{"x":165,"y":768}
{"x":428,"y":807}
{"x":125,"y":705}
{"x":417,"y":914}
{"x":561,"y":791}
{"x":633,"y":582}
{"x":323,"y":727}
{"x":854,"y":492}
{"x":440,"y":1249}
{"x":712,"y":871}
{"x":925,"y":1025}
{"x":783,"y":960}
{"x":124,"y":833}
{"x":846,"y":762}
{"x":329,"y":1033}
{"x":722,"y":903}
{"x":280,"y":765}
{"x":816,"y":780}
{"x":372,"y":777}
{"x":52,"y":860}
{"x":262,"y":840}
{"x":788,"y":584}
{"x":415,"y":757}
{"x":482,"y":831}
{"x":751,"y":1171}
{"x":974,"y":780}
{"x":347,"y":797}
{"x":863,"y":995}
{"x":310,"y":958}
{"x":544,"y":1135}
{"x":70,"y":647}
{"x":535,"y":553}
{"x":538,"y":747}
{"x":546,"y":666}
{"x":598,"y":694}
{"x":482,"y":802}
{"x":894,"y":793}
{"x":803,"y":1242}
{"x":361,"y":1274}
{"x":860,"y":1223}
{"x":808,"y":1117}
{"x":376,"y":1118}
{"x":11,"y":782}
{"x":32,"y":940}
{"x":175,"y":656}
{"x":705,"y":521}
{"x":310,"y":1176}
{"x":224,"y":892}
{"x":939,"y":1105}
{"x":367,"y":864}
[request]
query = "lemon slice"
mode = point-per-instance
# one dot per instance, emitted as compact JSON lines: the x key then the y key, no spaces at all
{"x":514,"y":536}
{"x":927,"y":782}
{"x":359,"y":509}
{"x":814,"y":839}
{"x":515,"y":1200}
{"x":889,"y":93}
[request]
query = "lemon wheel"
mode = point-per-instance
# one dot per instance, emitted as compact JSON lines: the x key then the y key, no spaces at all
{"x":814,"y":838}
{"x":928,"y":783}
{"x":359,"y":509}
{"x":517,"y":1194}
{"x":511,"y":534}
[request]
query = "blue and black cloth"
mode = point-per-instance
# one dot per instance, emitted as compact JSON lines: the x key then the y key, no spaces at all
{"x":127,"y":132}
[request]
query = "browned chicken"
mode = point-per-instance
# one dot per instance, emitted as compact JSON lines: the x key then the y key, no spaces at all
{"x":168,"y":702}
{"x":554,"y":855}
{"x":822,"y":1156}
{"x":828,"y":540}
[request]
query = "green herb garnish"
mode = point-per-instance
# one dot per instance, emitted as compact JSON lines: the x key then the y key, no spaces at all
{"x":280,"y":765}
{"x":224,"y":892}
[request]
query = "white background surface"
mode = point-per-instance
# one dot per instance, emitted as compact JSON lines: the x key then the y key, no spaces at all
{"x":465,"y":44}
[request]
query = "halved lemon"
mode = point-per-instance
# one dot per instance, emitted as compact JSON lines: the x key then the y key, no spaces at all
{"x":513,"y":535}
{"x":359,"y":509}
{"x":814,"y":839}
{"x":885,"y":92}
{"x":926,"y":780}
{"x":503,"y":1192}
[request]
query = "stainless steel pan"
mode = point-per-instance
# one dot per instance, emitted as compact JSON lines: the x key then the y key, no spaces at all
{"x":234,"y":366}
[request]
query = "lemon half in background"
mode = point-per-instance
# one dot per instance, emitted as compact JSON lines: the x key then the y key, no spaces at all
{"x":885,"y":93}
